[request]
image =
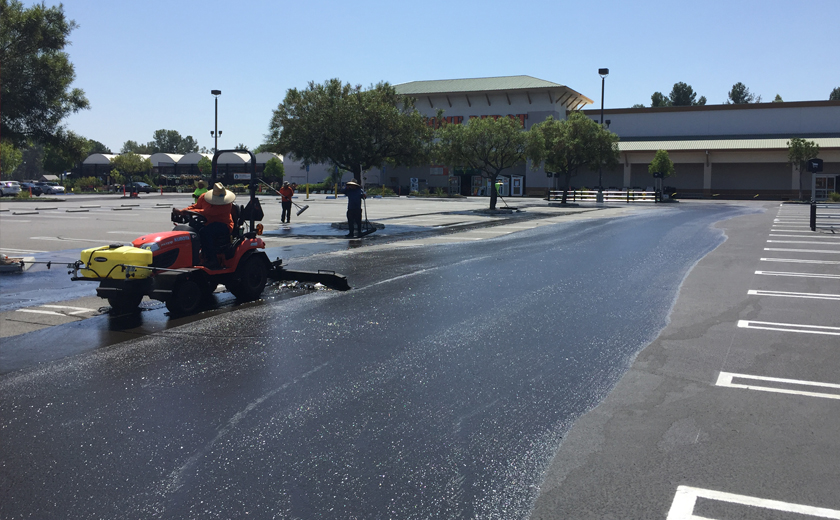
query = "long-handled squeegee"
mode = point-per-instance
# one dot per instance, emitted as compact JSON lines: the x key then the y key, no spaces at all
{"x":300,"y":210}
{"x":368,"y":227}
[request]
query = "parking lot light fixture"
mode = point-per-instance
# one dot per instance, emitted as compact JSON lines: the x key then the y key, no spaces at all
{"x":603,"y":73}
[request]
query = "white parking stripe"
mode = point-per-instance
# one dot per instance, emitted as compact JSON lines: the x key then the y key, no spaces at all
{"x":799,"y":275}
{"x":816,"y":296}
{"x":797,"y":242}
{"x":76,"y":310}
{"x":66,"y":239}
{"x":801,"y":261}
{"x":799,"y":250}
{"x":789,"y":327}
{"x":682,"y":508}
{"x":36,"y":311}
{"x":824,"y":237}
{"x":19,"y":251}
{"x":725,"y":379}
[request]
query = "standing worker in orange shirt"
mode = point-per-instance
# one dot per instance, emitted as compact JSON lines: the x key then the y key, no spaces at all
{"x":286,"y":193}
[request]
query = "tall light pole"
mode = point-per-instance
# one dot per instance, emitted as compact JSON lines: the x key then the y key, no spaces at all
{"x":603,"y":73}
{"x":215,"y":133}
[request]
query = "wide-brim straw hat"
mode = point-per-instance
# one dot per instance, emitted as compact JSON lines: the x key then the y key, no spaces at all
{"x":354,"y":184}
{"x":219,"y":196}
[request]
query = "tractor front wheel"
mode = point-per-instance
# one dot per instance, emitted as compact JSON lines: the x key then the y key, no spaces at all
{"x":186,"y":298}
{"x":250,"y":279}
{"x":125,"y":303}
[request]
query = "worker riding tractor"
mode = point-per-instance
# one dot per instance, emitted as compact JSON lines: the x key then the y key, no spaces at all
{"x":168,"y":266}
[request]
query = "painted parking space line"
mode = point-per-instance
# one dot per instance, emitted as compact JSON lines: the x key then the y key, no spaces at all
{"x":821,"y":237}
{"x":799,"y":275}
{"x":66,"y":239}
{"x":59,"y":310}
{"x":799,"y":242}
{"x":72,"y":310}
{"x":806,"y":231}
{"x":7,"y":251}
{"x":815,"y":296}
{"x":801,"y":261}
{"x":726,"y":379}
{"x":682,"y":508}
{"x":789,"y":327}
{"x":800,"y":250}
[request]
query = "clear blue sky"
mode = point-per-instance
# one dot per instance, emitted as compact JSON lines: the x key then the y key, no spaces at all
{"x":151,"y":64}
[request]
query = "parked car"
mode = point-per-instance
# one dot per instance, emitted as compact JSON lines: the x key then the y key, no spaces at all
{"x":31,"y":187}
{"x":9,"y":188}
{"x":51,"y":188}
{"x":138,"y":187}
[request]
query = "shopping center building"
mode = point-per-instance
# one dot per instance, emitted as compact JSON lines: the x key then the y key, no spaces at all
{"x":726,"y":151}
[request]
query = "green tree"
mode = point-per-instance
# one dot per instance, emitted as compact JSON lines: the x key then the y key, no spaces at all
{"x":274,"y":170}
{"x":59,"y":158}
{"x":778,"y":99}
{"x":205,"y":166}
{"x":565,"y":146}
{"x":130,"y":164}
{"x":741,"y":95}
{"x":170,"y":141}
{"x":799,"y":151}
{"x":638,"y":105}
{"x":488,"y":146}
{"x":134,"y":147}
{"x":835,"y":94}
{"x":350,"y":128}
{"x":10,"y":158}
{"x":682,"y":95}
{"x":36,"y":73}
{"x":661,"y":163}
{"x":658,"y":99}
{"x":241,"y":146}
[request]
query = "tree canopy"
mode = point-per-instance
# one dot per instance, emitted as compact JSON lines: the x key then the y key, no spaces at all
{"x":835,"y":94}
{"x":350,"y":128}
{"x":36,"y":73}
{"x":163,"y":141}
{"x":799,"y":151}
{"x":682,"y":95}
{"x":274,"y":170}
{"x":10,"y":157}
{"x":564,"y":146}
{"x":661,"y":163}
{"x":741,"y":95}
{"x":130,"y":164}
{"x":489,"y":146}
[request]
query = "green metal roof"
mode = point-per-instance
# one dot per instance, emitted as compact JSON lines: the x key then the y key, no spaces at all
{"x":447,"y":86}
{"x":719,"y":144}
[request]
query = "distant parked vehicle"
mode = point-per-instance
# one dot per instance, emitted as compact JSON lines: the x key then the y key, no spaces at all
{"x":9,"y":188}
{"x":31,"y":187}
{"x":138,"y":187}
{"x":51,"y":188}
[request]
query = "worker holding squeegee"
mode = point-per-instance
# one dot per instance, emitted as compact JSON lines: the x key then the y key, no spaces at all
{"x":286,"y":193}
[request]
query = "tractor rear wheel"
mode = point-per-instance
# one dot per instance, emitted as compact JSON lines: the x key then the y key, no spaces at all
{"x":185,"y":298}
{"x":250,"y":279}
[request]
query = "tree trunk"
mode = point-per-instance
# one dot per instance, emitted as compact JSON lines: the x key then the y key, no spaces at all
{"x":566,"y":185}
{"x":493,"y":192}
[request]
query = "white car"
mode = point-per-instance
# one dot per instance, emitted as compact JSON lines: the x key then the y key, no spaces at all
{"x":51,"y":188}
{"x":9,"y":188}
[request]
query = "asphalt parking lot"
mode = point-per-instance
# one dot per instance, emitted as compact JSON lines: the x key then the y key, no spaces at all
{"x":49,"y":230}
{"x":732,"y":412}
